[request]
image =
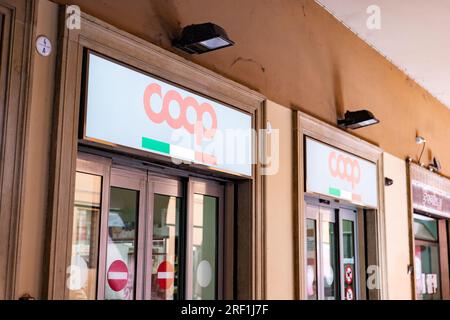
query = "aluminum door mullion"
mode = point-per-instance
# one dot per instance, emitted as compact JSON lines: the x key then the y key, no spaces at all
{"x":341,"y":257}
{"x":148,"y":259}
{"x":320,"y":254}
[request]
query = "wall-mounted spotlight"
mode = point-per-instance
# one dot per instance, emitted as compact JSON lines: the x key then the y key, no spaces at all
{"x":201,"y":38}
{"x":357,"y":119}
{"x":420,"y":140}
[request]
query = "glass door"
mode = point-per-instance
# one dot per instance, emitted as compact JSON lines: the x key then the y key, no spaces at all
{"x":164,"y":276}
{"x":328,"y":247}
{"x":331,"y":253}
{"x":427,"y":260}
{"x":348,"y":254}
{"x":312,"y":245}
{"x":141,"y":235}
{"x":321,"y":254}
{"x":204,"y":240}
{"x":123,"y":236}
{"x":91,"y":194}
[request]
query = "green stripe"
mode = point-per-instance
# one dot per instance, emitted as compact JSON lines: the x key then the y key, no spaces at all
{"x":155,"y":145}
{"x":334,"y":192}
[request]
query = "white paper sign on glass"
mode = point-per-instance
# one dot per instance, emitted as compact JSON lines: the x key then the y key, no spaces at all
{"x":129,"y":108}
{"x":335,"y":173}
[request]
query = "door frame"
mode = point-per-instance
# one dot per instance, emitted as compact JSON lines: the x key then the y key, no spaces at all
{"x":16,"y":72}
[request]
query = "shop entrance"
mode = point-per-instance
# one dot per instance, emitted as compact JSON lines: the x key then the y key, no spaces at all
{"x":140,"y":234}
{"x":332,"y":259}
{"x":430,"y":257}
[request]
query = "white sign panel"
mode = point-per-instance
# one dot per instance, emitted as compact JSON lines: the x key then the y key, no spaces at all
{"x":129,"y":108}
{"x":335,"y":173}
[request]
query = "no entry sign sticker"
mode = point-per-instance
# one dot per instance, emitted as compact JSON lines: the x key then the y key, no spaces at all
{"x":117,"y":275}
{"x":348,"y":275}
{"x":165,"y":275}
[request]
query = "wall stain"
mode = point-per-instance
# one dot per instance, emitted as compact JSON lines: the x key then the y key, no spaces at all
{"x":241,"y":59}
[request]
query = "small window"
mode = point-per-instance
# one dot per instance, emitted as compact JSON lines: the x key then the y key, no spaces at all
{"x":425,"y":228}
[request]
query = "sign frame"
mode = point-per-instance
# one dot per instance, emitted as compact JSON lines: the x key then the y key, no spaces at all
{"x":83,"y":139}
{"x":331,"y":196}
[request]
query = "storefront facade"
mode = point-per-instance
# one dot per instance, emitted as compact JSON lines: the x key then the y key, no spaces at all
{"x":150,"y":227}
{"x":124,"y":186}
{"x":340,"y":220}
{"x":429,"y":233}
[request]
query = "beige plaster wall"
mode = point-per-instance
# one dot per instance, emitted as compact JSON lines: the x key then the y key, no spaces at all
{"x":279,"y":210}
{"x":397,"y":232}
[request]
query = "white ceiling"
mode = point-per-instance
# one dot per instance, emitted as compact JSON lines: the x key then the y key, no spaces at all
{"x":414,"y":36}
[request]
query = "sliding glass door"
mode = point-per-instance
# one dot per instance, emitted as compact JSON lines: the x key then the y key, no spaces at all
{"x":331,"y":261}
{"x":142,"y":235}
{"x":166,"y":233}
{"x":204,"y":247}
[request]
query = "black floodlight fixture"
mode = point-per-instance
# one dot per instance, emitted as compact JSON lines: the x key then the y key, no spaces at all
{"x":357,"y":119}
{"x":201,"y":38}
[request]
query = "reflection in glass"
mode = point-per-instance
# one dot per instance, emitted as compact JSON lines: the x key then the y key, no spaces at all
{"x":204,"y":237}
{"x":166,"y":250}
{"x":311,"y":259}
{"x":120,"y":261}
{"x":85,"y":237}
{"x":329,"y":261}
{"x":349,"y":259}
{"x":427,"y":258}
{"x":427,"y":271}
{"x":425,"y":228}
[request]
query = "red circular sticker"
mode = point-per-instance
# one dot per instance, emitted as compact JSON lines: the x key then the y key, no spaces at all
{"x":349,"y":294}
{"x":348,"y":275}
{"x":165,"y":275}
{"x":117,"y":275}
